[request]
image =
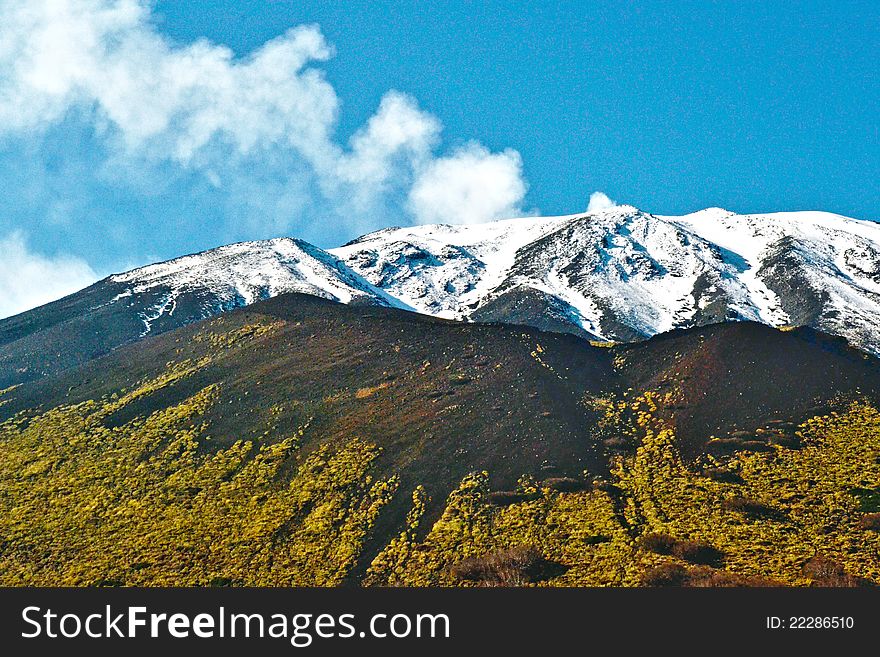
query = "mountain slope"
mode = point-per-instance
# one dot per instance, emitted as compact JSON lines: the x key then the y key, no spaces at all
{"x":302,"y":441}
{"x":620,"y":275}
{"x":154,"y":299}
{"x":438,"y":394}
{"x":734,"y":378}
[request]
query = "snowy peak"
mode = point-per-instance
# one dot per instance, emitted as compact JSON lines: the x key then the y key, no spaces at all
{"x":623,"y":274}
{"x":240,"y":274}
{"x":620,"y":274}
{"x":254,"y":270}
{"x":443,"y":270}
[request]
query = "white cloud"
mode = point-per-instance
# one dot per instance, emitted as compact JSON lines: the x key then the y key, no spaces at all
{"x":396,"y":140}
{"x":200,"y":107}
{"x":470,"y":186}
{"x":29,"y":279}
{"x":399,"y":126}
{"x":598,"y":202}
{"x":107,"y":55}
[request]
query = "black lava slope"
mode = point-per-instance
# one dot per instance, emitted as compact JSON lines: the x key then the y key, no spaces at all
{"x":446,"y":398}
{"x":443,"y":398}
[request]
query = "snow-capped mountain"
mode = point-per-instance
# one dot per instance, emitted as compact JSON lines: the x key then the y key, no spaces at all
{"x":620,"y":274}
{"x":151,"y":300}
{"x":237,"y":275}
{"x":624,"y":274}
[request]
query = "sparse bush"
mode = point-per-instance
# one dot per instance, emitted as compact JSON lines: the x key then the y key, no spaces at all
{"x":789,"y":442}
{"x":508,"y":497}
{"x":512,"y":567}
{"x":694,"y":552}
{"x":108,"y":583}
{"x":723,"y":475}
{"x":658,"y":543}
{"x":781,"y":424}
{"x":827,"y":572}
{"x":869,"y":499}
{"x":870,"y":522}
{"x":671,"y":574}
{"x":617,"y":444}
{"x":750,"y":508}
{"x":607,"y":487}
{"x":727,"y":446}
{"x":221,"y":582}
{"x":705,"y":577}
{"x":697,"y":553}
{"x":598,"y":539}
{"x":667,"y":574}
{"x":723,"y":446}
{"x":472,"y":569}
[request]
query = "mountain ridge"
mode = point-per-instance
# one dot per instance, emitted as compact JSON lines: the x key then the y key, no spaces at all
{"x":617,"y":275}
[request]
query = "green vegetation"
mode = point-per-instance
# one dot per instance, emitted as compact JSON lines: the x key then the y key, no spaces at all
{"x":659,"y":516}
{"x":149,"y":503}
{"x":156,"y":500}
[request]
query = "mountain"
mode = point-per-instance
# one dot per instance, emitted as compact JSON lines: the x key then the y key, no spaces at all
{"x":732,"y":378}
{"x":303,"y":441}
{"x":389,"y":375}
{"x":383,"y":374}
{"x":154,"y":299}
{"x":616,"y":275}
{"x":623,"y":274}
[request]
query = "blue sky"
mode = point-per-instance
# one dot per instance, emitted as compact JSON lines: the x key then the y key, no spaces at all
{"x":132,"y":131}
